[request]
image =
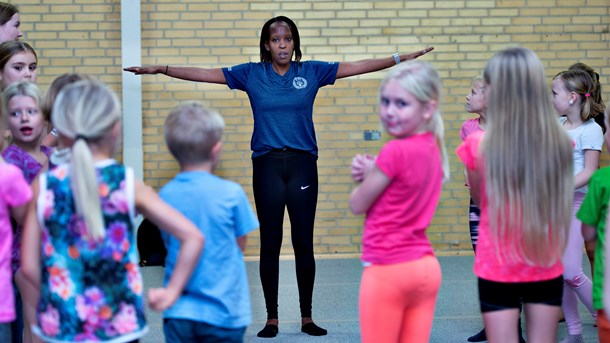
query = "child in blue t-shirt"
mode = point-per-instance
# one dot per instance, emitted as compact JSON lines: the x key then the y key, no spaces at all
{"x":215,"y":304}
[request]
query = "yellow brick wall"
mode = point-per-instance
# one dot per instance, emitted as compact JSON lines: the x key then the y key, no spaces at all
{"x":84,"y":36}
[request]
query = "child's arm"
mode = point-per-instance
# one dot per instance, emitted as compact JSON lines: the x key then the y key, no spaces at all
{"x":589,"y":232}
{"x":191,"y":243}
{"x":466,"y":178}
{"x":27,"y":278}
{"x":368,"y":191}
{"x":591,"y":165}
{"x":473,"y":179}
{"x":18,"y":213}
{"x":241,"y":242}
{"x":30,"y":242}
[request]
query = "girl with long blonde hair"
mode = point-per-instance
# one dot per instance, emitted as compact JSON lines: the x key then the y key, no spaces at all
{"x":520,"y":173}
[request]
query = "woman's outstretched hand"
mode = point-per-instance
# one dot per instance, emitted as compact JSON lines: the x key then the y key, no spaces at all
{"x":414,"y":55}
{"x":145,"y":70}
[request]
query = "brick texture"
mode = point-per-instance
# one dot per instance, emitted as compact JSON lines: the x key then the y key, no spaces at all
{"x":84,"y":36}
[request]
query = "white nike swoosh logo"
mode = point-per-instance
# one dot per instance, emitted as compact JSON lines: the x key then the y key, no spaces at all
{"x":304,"y":187}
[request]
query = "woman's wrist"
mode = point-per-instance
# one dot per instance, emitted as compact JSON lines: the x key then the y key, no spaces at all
{"x":396,"y":58}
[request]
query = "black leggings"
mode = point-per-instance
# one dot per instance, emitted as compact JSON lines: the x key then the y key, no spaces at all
{"x":286,"y":179}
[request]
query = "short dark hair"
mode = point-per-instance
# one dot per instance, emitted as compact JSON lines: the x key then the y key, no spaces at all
{"x":265,"y":35}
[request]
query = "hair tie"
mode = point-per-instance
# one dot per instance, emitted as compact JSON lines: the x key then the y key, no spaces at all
{"x":587,"y":95}
{"x":81,"y":137}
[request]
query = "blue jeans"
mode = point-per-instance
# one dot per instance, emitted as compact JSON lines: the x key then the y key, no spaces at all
{"x":5,"y":332}
{"x":187,"y":331}
{"x":17,"y":324}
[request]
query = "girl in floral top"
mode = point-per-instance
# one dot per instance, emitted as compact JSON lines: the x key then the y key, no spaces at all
{"x":86,"y":268}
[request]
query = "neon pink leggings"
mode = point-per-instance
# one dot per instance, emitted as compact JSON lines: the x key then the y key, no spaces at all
{"x":397,"y":301}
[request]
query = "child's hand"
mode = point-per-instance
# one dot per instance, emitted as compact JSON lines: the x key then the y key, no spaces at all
{"x":159,"y":299}
{"x":361,"y":165}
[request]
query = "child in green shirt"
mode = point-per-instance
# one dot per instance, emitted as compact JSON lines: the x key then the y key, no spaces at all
{"x":593,"y":214}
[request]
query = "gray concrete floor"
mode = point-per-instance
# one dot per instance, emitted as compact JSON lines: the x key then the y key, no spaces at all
{"x":335,"y":303}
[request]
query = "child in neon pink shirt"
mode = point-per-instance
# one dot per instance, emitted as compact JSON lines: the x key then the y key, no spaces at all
{"x":15,"y":192}
{"x":520,"y":173}
{"x":401,"y":277}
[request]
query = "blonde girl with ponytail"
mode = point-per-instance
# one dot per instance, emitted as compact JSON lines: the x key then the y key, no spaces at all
{"x":82,"y":221}
{"x":399,"y":190}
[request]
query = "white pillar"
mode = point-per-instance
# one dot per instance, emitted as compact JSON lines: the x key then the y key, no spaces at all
{"x":131,"y":55}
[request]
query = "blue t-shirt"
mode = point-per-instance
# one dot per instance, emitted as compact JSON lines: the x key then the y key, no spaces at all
{"x":217,"y":292}
{"x":282,"y":105}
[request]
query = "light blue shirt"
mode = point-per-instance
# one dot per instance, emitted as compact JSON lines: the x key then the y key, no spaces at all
{"x":217,"y":292}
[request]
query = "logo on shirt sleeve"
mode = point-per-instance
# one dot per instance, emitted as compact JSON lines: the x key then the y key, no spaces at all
{"x":299,"y":82}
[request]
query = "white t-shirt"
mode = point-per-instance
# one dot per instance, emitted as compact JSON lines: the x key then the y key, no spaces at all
{"x":588,"y":136}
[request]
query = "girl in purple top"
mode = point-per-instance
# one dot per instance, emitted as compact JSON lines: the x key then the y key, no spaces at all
{"x":282,"y":92}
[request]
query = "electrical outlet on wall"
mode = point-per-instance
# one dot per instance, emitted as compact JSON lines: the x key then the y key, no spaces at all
{"x":371,"y":135}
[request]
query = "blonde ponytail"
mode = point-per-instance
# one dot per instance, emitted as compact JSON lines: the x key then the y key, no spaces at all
{"x":85,"y":189}
{"x":86,"y":112}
